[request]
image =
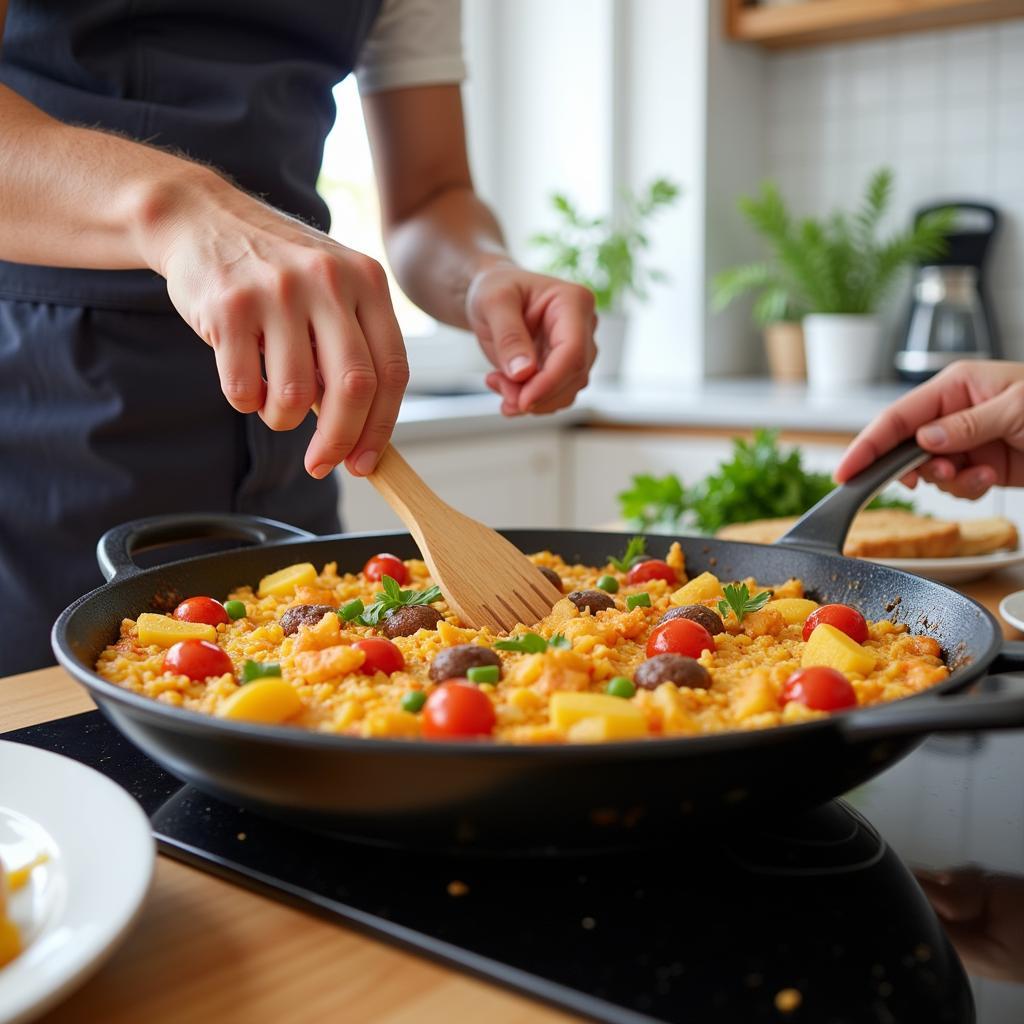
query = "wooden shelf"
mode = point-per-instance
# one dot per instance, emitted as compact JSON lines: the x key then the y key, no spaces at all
{"x":816,"y":22}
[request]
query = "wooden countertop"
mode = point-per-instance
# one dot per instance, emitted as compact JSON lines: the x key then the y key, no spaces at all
{"x":206,"y":950}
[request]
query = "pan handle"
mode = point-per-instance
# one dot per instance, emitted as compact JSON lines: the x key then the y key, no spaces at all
{"x":1001,"y":708}
{"x":117,"y":546}
{"x":824,"y":527}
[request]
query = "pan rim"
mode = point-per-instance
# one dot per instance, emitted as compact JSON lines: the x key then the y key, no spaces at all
{"x":194,"y":721}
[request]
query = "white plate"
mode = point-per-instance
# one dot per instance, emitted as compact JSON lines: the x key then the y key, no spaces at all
{"x":1012,"y":609}
{"x":81,"y":901}
{"x":955,"y":570}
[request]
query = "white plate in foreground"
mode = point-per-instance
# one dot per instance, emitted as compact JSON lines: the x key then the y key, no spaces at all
{"x":955,"y":570}
{"x":1012,"y":609}
{"x":81,"y":901}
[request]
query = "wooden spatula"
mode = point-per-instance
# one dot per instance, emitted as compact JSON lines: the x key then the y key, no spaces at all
{"x":484,"y":578}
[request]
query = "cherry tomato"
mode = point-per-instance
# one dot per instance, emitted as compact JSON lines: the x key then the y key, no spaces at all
{"x":823,"y":689}
{"x":197,"y":659}
{"x":202,"y":609}
{"x":457,"y":708}
{"x":386,"y":565}
{"x":846,"y":619}
{"x":652,"y":569}
{"x":679,"y":636}
{"x":381,"y":655}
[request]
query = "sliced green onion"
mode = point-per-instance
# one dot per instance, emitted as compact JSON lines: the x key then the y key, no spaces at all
{"x":235,"y":609}
{"x":253,"y":670}
{"x":413,"y":701}
{"x":352,"y":610}
{"x":609,"y":584}
{"x":483,"y":674}
{"x":638,"y":601}
{"x":620,"y":686}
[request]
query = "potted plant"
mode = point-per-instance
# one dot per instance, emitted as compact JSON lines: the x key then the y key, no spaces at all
{"x":837,"y":271}
{"x":604,"y":255}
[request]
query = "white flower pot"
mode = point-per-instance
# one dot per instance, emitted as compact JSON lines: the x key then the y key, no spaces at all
{"x":843,"y":351}
{"x":611,"y":346}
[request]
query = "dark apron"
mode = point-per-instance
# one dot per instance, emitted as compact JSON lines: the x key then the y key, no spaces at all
{"x":110,"y":406}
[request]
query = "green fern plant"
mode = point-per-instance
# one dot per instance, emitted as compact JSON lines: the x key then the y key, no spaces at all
{"x":603,"y":255}
{"x":834,"y":265}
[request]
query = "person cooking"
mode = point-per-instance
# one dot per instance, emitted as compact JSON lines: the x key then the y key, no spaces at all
{"x":165,"y":272}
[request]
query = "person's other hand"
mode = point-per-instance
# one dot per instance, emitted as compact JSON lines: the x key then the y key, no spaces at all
{"x":252,"y":283}
{"x":537,"y":331}
{"x":983,"y":914}
{"x":969,"y":417}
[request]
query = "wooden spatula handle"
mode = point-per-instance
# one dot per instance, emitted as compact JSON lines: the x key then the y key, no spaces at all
{"x":405,"y":491}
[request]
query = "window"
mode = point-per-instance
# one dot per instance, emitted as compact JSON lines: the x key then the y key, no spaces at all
{"x":349,"y":188}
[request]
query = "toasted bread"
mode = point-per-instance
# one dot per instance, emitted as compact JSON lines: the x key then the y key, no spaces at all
{"x":880,"y":533}
{"x":888,"y":533}
{"x":984,"y":536}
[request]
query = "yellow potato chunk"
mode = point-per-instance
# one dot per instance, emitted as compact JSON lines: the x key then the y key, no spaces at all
{"x":267,"y":701}
{"x":285,"y":581}
{"x":704,"y":587}
{"x":164,"y":631}
{"x":833,"y":648}
{"x":622,"y":719}
{"x":601,"y":728}
{"x":793,"y":609}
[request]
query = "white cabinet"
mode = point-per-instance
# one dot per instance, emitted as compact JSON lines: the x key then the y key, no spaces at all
{"x":501,"y":479}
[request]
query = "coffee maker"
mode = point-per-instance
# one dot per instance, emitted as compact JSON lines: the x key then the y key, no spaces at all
{"x":950,"y":317}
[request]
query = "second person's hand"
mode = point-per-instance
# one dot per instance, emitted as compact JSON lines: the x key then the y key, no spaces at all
{"x":537,"y":331}
{"x":969,"y":417}
{"x":256,"y":284}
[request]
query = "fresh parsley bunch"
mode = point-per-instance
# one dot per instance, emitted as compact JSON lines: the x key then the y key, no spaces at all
{"x":760,"y":481}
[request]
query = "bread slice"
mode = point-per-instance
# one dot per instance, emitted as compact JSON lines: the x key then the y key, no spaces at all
{"x":983,"y":536}
{"x":888,"y":533}
{"x":881,"y":533}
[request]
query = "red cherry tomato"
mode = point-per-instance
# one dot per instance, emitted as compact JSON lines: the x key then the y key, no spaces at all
{"x":652,"y":569}
{"x":197,"y":659}
{"x":846,"y":619}
{"x":381,"y":655}
{"x":457,"y":708}
{"x":679,"y":636}
{"x":386,"y":565}
{"x":823,"y":689}
{"x":202,"y":609}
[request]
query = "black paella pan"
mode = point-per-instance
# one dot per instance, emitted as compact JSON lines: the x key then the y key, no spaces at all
{"x":499,"y":796}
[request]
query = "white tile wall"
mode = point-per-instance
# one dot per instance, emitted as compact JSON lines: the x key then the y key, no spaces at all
{"x":944,"y":109}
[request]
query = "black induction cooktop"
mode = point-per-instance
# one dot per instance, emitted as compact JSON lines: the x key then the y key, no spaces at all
{"x":818,"y":918}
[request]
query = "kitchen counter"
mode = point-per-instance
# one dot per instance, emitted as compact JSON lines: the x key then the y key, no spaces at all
{"x":728,"y":403}
{"x":204,"y":949}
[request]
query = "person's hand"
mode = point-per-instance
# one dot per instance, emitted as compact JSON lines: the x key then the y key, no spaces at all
{"x":253,"y":282}
{"x":983,"y":914}
{"x":537,"y":331}
{"x":969,"y":417}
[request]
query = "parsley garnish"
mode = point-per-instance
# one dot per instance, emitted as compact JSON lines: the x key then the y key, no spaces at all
{"x":634,"y":549}
{"x":392,"y":597}
{"x":739,"y":601}
{"x":532,"y":643}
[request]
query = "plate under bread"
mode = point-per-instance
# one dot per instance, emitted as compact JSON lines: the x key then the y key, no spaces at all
{"x":962,"y":569}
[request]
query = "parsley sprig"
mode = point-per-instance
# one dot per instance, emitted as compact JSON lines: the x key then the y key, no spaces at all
{"x":392,"y":597}
{"x":634,"y":549}
{"x":533,"y":643}
{"x":739,"y":601}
